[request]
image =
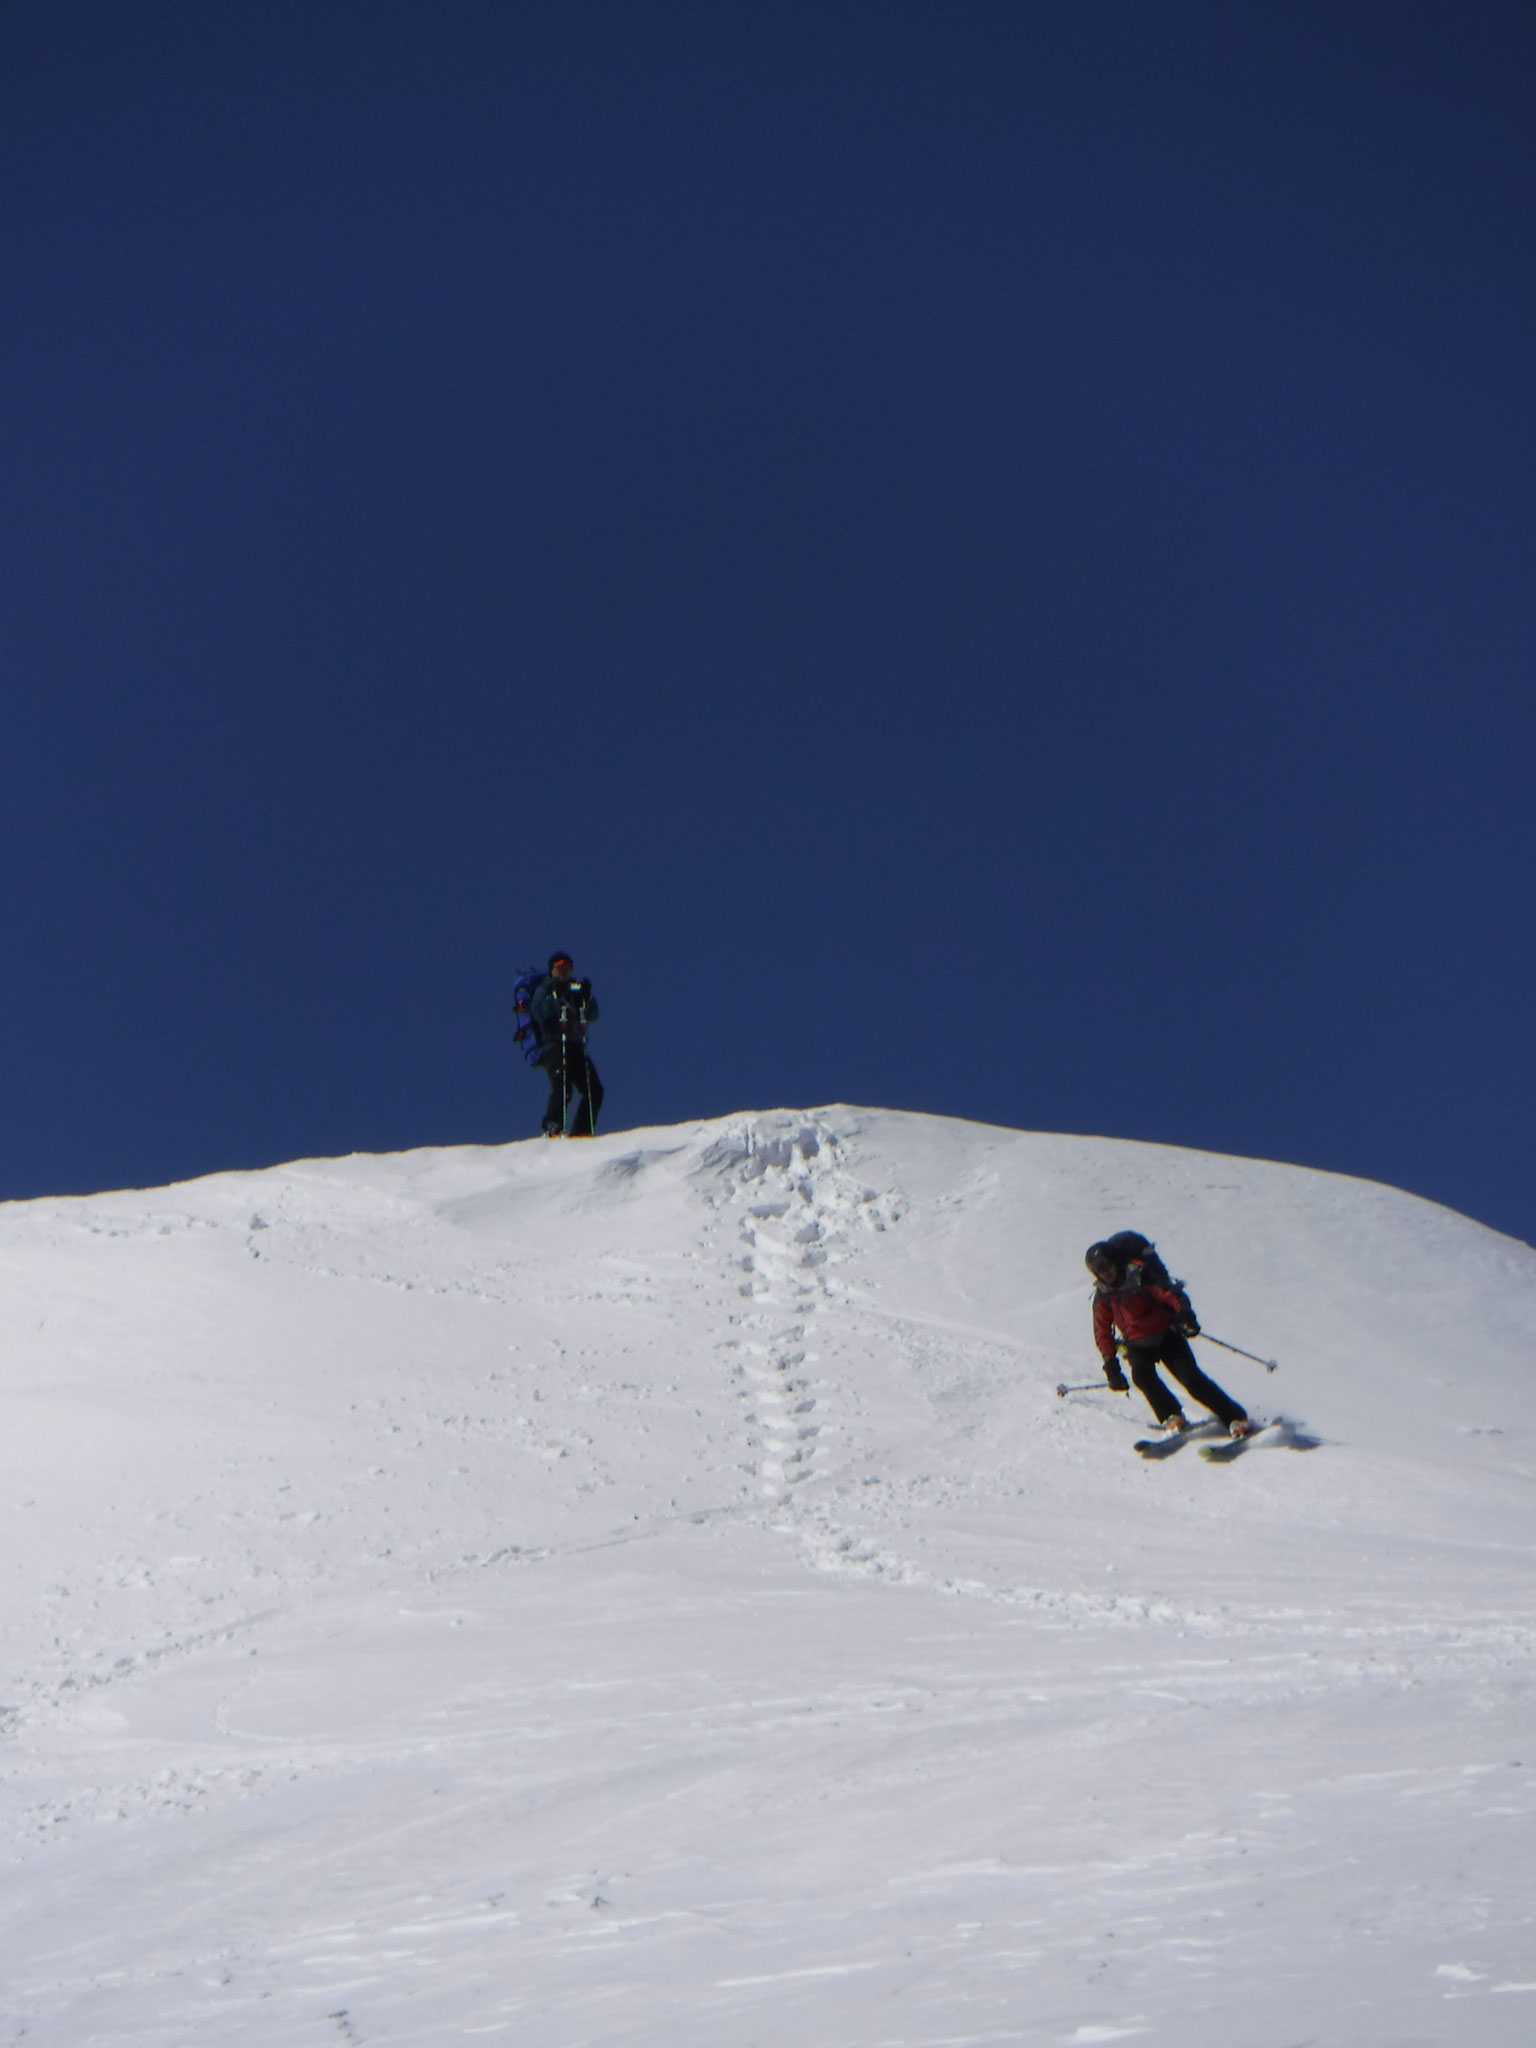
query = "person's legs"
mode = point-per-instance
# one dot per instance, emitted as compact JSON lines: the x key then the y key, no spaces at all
{"x":1142,"y":1360}
{"x":1175,"y":1353}
{"x":584,"y":1079}
{"x":555,"y":1109}
{"x":592,"y":1091}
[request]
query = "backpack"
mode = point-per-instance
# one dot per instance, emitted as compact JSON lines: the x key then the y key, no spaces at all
{"x":527,"y":1032}
{"x":1138,"y":1255}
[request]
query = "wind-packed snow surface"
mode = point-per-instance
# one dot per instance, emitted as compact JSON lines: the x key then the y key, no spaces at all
{"x":649,"y":1591}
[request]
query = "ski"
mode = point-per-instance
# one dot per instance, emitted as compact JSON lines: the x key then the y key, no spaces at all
{"x":1155,"y":1447}
{"x":1160,"y":1446}
{"x":1234,"y":1447}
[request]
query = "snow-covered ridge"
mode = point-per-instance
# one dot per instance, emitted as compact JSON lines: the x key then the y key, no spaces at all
{"x":410,"y":1552}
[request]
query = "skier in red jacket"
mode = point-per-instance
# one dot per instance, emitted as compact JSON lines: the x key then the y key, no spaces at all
{"x":1153,"y":1316}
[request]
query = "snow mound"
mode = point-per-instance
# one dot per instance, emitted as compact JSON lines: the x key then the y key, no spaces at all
{"x":650,"y":1590}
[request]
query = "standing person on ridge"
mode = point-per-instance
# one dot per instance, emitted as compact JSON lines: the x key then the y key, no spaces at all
{"x":561,"y":1008}
{"x":1134,"y":1295}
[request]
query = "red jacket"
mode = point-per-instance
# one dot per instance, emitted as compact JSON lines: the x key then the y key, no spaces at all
{"x":1140,"y":1313}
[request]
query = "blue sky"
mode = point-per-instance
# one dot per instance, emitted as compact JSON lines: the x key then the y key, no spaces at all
{"x":969,"y":557}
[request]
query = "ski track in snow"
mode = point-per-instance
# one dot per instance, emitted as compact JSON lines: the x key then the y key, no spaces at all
{"x":801,"y":1214}
{"x":649,"y":1590}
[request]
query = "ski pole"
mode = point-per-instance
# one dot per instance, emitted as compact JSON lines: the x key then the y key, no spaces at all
{"x":1092,"y":1387}
{"x":586,"y":1073}
{"x":1269,"y":1364}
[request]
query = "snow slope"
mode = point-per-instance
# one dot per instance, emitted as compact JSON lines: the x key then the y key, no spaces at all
{"x":648,"y":1591}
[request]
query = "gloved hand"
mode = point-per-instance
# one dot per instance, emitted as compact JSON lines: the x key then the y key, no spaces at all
{"x":1118,"y":1382}
{"x":1189,"y":1325}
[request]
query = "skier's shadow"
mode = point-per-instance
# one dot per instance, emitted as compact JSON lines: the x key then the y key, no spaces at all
{"x":1289,"y":1436}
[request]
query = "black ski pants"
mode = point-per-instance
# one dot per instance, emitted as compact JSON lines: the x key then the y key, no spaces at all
{"x":571,"y":1074}
{"x":1172,"y":1349}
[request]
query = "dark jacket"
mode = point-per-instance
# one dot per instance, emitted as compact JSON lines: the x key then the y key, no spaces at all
{"x":561,"y":1009}
{"x":1139,"y":1312}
